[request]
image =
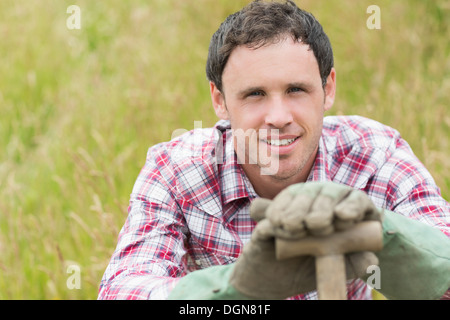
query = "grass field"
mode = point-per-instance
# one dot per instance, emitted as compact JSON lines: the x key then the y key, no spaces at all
{"x":80,"y":107}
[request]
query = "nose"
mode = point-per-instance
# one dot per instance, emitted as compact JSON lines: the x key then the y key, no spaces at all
{"x":278,"y":114}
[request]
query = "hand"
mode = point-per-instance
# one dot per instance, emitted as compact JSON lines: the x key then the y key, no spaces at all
{"x":259,"y":275}
{"x":315,"y":208}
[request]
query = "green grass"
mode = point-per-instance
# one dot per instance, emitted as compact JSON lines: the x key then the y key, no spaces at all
{"x":79,"y":109}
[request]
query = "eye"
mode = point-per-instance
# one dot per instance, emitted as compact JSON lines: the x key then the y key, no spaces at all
{"x":255,"y":94}
{"x":295,"y":90}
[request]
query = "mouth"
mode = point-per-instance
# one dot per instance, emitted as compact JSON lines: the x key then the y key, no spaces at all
{"x":280,"y":142}
{"x":283,"y":146}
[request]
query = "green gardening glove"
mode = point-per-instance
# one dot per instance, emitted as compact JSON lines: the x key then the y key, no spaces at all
{"x":415,"y":260}
{"x":256,"y":274}
{"x":298,"y":211}
{"x":309,"y":209}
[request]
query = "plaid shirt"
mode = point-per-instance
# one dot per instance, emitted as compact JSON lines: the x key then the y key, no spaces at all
{"x":189,"y":208}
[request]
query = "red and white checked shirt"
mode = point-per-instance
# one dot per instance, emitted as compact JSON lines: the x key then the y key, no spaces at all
{"x":189,"y":208}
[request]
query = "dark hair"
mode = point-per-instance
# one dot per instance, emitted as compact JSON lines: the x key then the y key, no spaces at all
{"x":261,"y":23}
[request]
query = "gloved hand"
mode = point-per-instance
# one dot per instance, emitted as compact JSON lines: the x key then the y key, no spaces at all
{"x":414,"y":261}
{"x":299,"y":210}
{"x":315,"y":208}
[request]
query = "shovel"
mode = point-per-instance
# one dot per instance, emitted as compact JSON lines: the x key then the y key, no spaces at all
{"x":329,"y":253}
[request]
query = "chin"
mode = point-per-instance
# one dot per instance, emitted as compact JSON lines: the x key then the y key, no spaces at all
{"x":282,"y":174}
{"x":290,"y":169}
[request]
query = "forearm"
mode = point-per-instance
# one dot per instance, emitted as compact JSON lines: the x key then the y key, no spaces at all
{"x":137,"y":286}
{"x":415,"y":260}
{"x":138,"y":270}
{"x":207,"y":284}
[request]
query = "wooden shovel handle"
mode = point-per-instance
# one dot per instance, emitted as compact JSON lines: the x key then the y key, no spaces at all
{"x":364,"y":236}
{"x":329,"y":252}
{"x":330,"y":277}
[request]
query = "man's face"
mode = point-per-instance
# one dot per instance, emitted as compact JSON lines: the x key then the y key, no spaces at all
{"x":273,"y":96}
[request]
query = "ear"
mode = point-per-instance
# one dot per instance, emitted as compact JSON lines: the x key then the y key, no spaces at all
{"x":218,"y":101}
{"x":330,"y":90}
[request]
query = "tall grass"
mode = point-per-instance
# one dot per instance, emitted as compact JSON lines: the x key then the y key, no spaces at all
{"x":79,"y":108}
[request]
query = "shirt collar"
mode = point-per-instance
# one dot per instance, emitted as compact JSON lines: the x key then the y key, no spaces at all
{"x":319,"y":170}
{"x":234,"y":183}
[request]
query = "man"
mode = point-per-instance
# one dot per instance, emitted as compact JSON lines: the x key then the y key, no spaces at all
{"x":274,"y":158}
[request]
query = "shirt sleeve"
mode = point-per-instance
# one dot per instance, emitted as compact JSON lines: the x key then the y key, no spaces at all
{"x":412,"y":191}
{"x":149,"y":257}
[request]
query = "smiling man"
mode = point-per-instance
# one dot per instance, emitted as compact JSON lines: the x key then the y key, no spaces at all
{"x":276,"y":89}
{"x":208,"y":205}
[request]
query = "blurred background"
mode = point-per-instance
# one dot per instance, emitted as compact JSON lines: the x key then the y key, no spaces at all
{"x":80,"y":107}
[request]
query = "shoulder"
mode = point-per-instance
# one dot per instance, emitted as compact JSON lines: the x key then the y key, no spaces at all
{"x":357,"y":148}
{"x":186,"y":169}
{"x":359,"y":132}
{"x":187,"y":160}
{"x":193,"y":145}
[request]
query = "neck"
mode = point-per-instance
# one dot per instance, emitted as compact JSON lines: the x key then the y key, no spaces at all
{"x":268,"y":186}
